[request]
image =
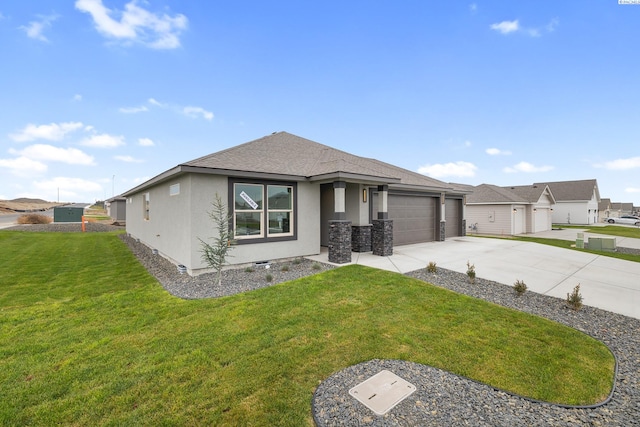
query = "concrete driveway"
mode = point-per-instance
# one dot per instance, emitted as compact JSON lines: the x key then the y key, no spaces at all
{"x":606,"y":283}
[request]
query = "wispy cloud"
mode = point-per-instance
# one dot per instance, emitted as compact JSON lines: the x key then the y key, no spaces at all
{"x":497,"y":152}
{"x":133,"y":110}
{"x":473,"y":8}
{"x":632,"y":190}
{"x":145,"y":142}
{"x":23,"y":166}
{"x":621,"y":164}
{"x":196,"y":112}
{"x":68,"y":188}
{"x":508,"y":27}
{"x":103,"y":140}
{"x":35,"y":29}
{"x":51,"y":132}
{"x":527,"y":168}
{"x":49,"y":153}
{"x":458,"y":169}
{"x":128,"y":159}
{"x":135,"y":24}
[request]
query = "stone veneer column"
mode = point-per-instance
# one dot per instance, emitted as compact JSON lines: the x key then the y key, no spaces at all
{"x":361,"y":238}
{"x":339,"y":227}
{"x":382,"y":237}
{"x":382,"y":232}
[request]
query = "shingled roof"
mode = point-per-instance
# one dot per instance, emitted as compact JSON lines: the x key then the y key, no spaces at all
{"x":282,"y":154}
{"x":573,"y":191}
{"x":487,"y":193}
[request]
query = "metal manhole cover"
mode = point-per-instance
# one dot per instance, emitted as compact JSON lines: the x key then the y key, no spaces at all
{"x":382,"y":392}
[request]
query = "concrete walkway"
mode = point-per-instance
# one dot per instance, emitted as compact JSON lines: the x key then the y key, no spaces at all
{"x":607,"y":283}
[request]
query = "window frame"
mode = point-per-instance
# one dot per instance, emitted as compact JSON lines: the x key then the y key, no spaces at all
{"x":264,"y":236}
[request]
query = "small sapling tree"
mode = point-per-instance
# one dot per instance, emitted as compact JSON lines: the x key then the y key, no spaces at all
{"x":216,"y":254}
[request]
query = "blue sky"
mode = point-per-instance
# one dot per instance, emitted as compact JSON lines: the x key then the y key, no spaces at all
{"x":100,"y":95}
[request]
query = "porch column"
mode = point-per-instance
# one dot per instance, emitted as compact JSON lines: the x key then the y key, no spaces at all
{"x":339,"y":227}
{"x":443,"y":221}
{"x":382,"y":232}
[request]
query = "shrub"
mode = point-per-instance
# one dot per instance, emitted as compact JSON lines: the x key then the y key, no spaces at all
{"x":520,"y":287}
{"x":284,"y":268}
{"x":248,"y":270}
{"x":471,"y":272}
{"x":574,"y":299}
{"x":431,"y":267}
{"x":297,"y":261}
{"x":268,"y":277}
{"x":34,"y":219}
{"x":316,"y":266}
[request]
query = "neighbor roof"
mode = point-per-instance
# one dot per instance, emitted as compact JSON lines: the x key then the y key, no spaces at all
{"x":487,"y":193}
{"x":283,"y":155}
{"x":571,"y":191}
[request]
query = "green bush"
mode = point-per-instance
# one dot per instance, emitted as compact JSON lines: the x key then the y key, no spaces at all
{"x":431,"y":267}
{"x":520,"y":287}
{"x":574,"y":299}
{"x":471,"y":272}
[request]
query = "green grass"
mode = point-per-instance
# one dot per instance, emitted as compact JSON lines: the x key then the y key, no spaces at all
{"x":87,"y":337}
{"x":612,"y":230}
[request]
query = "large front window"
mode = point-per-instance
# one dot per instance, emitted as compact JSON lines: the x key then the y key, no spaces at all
{"x":253,"y":218}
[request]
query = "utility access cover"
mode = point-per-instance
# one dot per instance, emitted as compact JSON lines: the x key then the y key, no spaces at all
{"x":382,"y":392}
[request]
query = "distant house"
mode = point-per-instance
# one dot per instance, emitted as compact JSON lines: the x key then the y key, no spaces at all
{"x":604,"y":209}
{"x":576,"y":201}
{"x":289,"y":196}
{"x":117,"y":209}
{"x":509,"y":210}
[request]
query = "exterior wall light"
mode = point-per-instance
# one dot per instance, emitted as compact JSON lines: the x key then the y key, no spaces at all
{"x":364,"y":195}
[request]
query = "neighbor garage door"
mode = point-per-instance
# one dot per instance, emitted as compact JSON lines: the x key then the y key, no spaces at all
{"x":453,"y":216}
{"x":414,"y":217}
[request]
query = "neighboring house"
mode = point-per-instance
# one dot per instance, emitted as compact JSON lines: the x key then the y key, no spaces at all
{"x":576,"y":201}
{"x":288,"y":196}
{"x":619,"y":209}
{"x":509,"y":210}
{"x":604,"y":209}
{"x":117,"y":209}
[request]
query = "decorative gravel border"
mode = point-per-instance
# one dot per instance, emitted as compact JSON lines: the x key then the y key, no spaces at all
{"x":446,"y":399}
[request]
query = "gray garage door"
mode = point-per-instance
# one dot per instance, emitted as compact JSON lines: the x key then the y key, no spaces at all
{"x":453,"y":216}
{"x":414,"y":218}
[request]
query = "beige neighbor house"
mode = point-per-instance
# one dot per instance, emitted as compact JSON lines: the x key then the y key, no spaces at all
{"x":509,"y":210}
{"x":289,"y":196}
{"x":576,"y":201}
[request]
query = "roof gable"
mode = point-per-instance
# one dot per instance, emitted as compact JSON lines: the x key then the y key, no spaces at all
{"x":573,"y":191}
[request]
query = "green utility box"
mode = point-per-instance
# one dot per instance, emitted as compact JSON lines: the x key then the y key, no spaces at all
{"x":602,"y":244}
{"x":68,"y":214}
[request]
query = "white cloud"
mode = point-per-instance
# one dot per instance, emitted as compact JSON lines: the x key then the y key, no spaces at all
{"x":196,"y":112}
{"x":622,"y":164}
{"x":457,"y":169}
{"x":77,"y":97}
{"x":145,"y":142}
{"x":103,"y":140}
{"x":632,"y":190}
{"x":23,"y":166}
{"x":133,"y":110}
{"x":527,"y":168}
{"x":506,"y":27}
{"x":497,"y":152}
{"x":68,"y":187}
{"x":128,"y":159}
{"x":473,"y":8}
{"x":51,"y":132}
{"x":152,"y":101}
{"x":45,"y":152}
{"x":135,"y":24}
{"x":35,"y":28}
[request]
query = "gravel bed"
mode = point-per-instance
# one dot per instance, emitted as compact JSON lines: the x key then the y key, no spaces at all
{"x":234,"y":281}
{"x":445,"y":399}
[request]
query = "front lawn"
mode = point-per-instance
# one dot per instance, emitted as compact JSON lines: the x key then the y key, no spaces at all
{"x":87,"y":337}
